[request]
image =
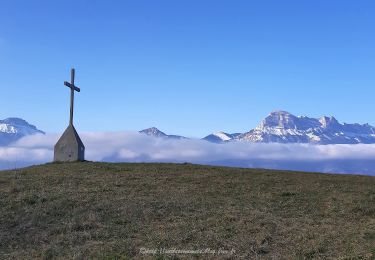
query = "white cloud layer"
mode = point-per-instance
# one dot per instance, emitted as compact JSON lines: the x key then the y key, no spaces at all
{"x":135,"y":147}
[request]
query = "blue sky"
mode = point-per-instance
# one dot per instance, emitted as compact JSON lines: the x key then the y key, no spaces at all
{"x":186,"y":67}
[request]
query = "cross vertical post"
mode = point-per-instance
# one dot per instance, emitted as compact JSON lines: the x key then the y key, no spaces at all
{"x":72,"y":89}
{"x":72,"y":74}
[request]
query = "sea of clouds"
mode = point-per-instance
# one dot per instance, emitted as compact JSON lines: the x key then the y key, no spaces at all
{"x":136,"y":147}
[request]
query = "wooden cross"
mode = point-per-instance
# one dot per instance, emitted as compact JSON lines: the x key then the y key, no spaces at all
{"x":72,"y":88}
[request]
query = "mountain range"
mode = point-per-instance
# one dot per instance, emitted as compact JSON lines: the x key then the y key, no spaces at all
{"x":283,"y":127}
{"x":277,"y":127}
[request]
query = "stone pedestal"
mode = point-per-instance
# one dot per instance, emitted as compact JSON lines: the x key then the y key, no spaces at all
{"x":69,"y":148}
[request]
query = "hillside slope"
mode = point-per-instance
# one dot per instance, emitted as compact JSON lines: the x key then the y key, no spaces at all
{"x":104,"y":210}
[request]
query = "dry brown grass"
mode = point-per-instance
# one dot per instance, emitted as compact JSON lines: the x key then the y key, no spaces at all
{"x":102,"y":210}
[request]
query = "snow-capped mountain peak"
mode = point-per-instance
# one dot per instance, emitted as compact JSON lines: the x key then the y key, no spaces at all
{"x":328,"y":121}
{"x":220,"y":137}
{"x":283,"y":127}
{"x":279,"y":119}
{"x":17,"y":125}
{"x":153,"y":131}
{"x":12,"y":129}
{"x":223,"y":136}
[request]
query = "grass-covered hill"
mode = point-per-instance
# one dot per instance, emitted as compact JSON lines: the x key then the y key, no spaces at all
{"x":102,"y":210}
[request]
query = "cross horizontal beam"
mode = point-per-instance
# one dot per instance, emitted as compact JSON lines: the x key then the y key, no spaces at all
{"x":72,"y":86}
